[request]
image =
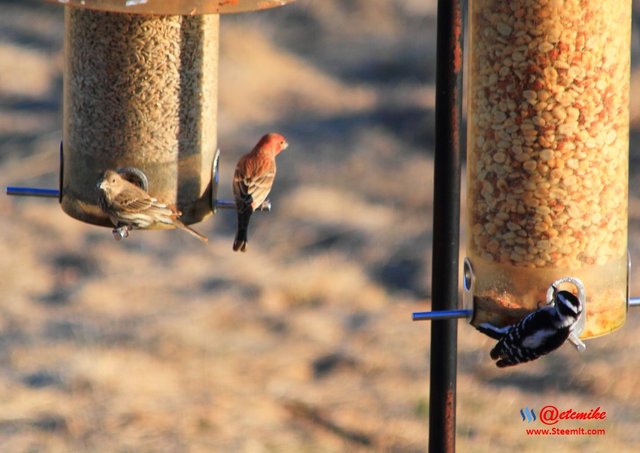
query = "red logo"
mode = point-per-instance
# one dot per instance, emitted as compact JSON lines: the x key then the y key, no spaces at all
{"x":550,"y":415}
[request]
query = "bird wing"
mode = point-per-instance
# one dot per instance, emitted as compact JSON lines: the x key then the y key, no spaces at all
{"x":252,"y":181}
{"x":537,"y":338}
{"x":133,"y":201}
{"x":532,"y":337}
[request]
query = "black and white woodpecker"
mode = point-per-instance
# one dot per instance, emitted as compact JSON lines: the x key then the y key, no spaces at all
{"x":538,"y":333}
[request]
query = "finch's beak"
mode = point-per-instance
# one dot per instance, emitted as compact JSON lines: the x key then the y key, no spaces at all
{"x":286,"y":145}
{"x":102,"y":185}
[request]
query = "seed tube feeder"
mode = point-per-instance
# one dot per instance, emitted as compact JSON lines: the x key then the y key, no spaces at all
{"x":139,"y":91}
{"x":140,"y":96}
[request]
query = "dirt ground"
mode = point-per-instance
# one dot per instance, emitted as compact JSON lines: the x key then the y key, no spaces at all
{"x":305,"y":343}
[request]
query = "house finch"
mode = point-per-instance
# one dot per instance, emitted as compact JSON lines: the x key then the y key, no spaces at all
{"x":252,"y":182}
{"x":129,"y":206}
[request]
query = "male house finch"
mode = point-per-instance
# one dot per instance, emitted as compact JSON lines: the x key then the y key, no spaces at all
{"x":252,"y":182}
{"x":129,"y":205}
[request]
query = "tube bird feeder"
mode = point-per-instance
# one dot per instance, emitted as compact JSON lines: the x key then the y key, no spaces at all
{"x":141,"y":93}
{"x":547,"y":173}
{"x":547,"y":157}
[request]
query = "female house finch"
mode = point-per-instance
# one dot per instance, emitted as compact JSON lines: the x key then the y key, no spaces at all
{"x":252,"y":182}
{"x":130,"y":206}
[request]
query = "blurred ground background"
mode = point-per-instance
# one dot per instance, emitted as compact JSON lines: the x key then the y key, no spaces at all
{"x":305,"y":343}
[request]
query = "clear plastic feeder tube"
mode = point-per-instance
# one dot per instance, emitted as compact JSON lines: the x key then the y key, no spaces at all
{"x":547,"y":159}
{"x":140,"y":91}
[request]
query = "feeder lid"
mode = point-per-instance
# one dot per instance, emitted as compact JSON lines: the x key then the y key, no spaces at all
{"x":175,"y":7}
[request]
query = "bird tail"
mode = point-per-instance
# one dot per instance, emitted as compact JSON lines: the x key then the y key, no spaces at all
{"x":191,"y":231}
{"x":240,"y":242}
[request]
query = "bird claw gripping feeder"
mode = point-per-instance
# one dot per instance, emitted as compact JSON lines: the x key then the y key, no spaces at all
{"x":547,"y":172}
{"x":140,"y":97}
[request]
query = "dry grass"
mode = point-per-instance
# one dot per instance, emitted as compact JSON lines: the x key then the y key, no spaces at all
{"x":305,"y":343}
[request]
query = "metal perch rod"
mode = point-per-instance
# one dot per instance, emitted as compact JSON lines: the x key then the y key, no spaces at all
{"x":441,"y":314}
{"x":33,"y":192}
{"x":227,"y":204}
{"x":457,"y":314}
{"x":55,"y":193}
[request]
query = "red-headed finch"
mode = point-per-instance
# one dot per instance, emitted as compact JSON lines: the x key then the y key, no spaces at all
{"x":129,"y":205}
{"x":252,"y":182}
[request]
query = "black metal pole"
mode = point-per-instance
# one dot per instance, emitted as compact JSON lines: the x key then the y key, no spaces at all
{"x":446,"y":226}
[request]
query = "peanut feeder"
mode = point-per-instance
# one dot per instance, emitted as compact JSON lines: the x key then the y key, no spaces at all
{"x":547,"y":156}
